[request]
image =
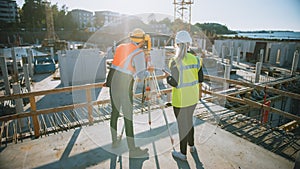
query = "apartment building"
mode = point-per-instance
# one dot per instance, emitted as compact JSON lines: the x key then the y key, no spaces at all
{"x":82,"y":17}
{"x":8,"y":11}
{"x":103,"y":18}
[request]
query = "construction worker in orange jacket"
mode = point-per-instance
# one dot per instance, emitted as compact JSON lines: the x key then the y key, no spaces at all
{"x":127,"y":59}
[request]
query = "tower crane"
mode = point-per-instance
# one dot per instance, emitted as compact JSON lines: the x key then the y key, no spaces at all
{"x":183,"y":11}
{"x":50,"y":37}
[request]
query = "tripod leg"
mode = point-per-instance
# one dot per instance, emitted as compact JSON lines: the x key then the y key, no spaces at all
{"x":167,"y":123}
{"x":160,"y":102}
{"x":122,"y":131}
{"x":149,"y":114}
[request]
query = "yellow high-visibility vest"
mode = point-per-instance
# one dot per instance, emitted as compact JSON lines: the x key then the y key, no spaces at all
{"x":187,"y":92}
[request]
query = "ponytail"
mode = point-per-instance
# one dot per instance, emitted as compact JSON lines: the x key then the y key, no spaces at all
{"x":181,"y":51}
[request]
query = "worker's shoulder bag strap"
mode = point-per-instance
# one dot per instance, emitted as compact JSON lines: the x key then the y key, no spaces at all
{"x":172,"y":80}
{"x":109,"y":77}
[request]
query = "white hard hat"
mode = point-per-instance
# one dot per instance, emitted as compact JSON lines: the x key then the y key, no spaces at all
{"x":183,"y":37}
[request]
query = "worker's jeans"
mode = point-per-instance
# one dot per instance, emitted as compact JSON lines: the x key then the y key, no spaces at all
{"x":122,"y":100}
{"x":184,"y":118}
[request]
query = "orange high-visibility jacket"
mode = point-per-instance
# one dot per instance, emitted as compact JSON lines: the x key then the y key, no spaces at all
{"x":124,"y":57}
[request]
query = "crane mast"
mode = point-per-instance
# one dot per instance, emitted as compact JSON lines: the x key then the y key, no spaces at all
{"x":183,"y":11}
{"x":49,"y":22}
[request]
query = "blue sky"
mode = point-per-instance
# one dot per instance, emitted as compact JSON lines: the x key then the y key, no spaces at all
{"x":246,"y":15}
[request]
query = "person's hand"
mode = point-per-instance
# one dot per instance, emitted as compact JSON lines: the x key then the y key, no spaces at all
{"x":166,"y":73}
{"x":104,"y":84}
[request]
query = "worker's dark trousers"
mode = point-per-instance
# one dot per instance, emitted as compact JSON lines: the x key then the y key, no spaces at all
{"x":122,"y":101}
{"x":184,"y":118}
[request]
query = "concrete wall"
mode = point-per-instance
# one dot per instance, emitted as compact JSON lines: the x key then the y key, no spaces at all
{"x":82,"y":66}
{"x":246,"y":46}
{"x":158,"y":58}
{"x":287,"y":50}
{"x":79,"y":67}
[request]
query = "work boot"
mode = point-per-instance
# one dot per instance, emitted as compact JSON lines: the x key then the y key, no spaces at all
{"x":179,"y":155}
{"x":137,"y":152}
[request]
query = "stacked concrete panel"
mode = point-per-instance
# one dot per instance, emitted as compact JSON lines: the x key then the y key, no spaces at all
{"x":276,"y":53}
{"x":245,"y":45}
{"x":82,"y":66}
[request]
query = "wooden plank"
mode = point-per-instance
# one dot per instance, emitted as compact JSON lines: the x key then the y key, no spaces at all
{"x":59,"y":90}
{"x":153,"y":78}
{"x":99,"y":102}
{"x":260,"y":87}
{"x":89,"y":105}
{"x":230,"y":94}
{"x":230,"y":98}
{"x":245,"y":107}
{"x":43,"y":111}
{"x":257,"y":105}
{"x":15,"y":139}
{"x":36,"y":125}
{"x":1,"y":133}
{"x":273,"y":110}
{"x":290,"y":126}
{"x":52,"y":91}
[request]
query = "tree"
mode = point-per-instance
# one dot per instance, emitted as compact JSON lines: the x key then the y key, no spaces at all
{"x":62,"y":20}
{"x":214,"y":28}
{"x":33,"y":15}
{"x":166,"y":21}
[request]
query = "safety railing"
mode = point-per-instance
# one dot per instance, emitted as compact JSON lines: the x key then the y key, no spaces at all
{"x":44,"y":121}
{"x":47,"y":120}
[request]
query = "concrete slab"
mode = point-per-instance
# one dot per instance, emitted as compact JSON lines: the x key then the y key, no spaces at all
{"x":90,"y":147}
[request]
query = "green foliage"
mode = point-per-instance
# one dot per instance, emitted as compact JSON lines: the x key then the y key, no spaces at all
{"x":214,"y":28}
{"x":166,"y":21}
{"x":33,"y":16}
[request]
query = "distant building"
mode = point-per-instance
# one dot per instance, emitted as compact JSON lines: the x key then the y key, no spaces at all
{"x":8,"y":11}
{"x":83,"y":18}
{"x":161,"y":28}
{"x":103,"y":18}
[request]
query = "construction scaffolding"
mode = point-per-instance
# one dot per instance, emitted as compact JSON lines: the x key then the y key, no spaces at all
{"x":183,"y":11}
{"x":49,"y":22}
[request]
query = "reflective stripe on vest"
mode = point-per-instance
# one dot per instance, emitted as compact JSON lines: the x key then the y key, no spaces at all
{"x":187,"y":91}
{"x":186,"y":67}
{"x":127,"y":62}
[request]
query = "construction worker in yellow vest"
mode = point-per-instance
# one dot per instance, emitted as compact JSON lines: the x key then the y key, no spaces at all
{"x":186,"y":75}
{"x":129,"y":59}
